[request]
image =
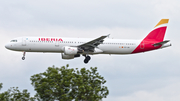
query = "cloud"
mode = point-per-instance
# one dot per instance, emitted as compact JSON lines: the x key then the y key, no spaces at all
{"x":168,"y":93}
{"x":85,"y":14}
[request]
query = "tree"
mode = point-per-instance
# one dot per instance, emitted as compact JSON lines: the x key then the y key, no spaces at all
{"x":0,"y":86}
{"x":66,"y":84}
{"x":13,"y":94}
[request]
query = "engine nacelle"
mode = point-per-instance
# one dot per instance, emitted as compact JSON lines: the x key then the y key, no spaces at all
{"x":69,"y":56}
{"x":72,"y":50}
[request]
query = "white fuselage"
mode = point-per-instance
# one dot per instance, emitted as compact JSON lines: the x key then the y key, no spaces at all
{"x":35,"y":44}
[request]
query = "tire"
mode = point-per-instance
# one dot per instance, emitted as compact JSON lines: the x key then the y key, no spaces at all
{"x":86,"y":61}
{"x":23,"y":58}
{"x":88,"y":58}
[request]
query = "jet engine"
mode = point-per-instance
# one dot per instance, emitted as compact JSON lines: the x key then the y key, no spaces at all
{"x":64,"y":56}
{"x":72,"y":50}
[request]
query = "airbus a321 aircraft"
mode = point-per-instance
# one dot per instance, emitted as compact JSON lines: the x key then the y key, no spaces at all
{"x":71,"y":48}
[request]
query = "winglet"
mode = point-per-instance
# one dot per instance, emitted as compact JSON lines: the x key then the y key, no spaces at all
{"x":108,"y":35}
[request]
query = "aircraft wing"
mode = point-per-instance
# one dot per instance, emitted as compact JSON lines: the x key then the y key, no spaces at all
{"x":161,"y":43}
{"x":89,"y":46}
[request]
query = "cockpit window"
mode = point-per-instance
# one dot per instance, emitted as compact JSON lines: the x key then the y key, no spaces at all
{"x":13,"y":40}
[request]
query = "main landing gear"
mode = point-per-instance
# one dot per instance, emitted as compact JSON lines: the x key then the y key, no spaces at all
{"x":87,"y":58}
{"x":24,"y":53}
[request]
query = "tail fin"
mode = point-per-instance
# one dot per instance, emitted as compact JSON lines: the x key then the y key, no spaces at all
{"x":158,"y":33}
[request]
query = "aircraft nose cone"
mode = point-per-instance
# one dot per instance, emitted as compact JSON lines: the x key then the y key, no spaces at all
{"x":7,"y":46}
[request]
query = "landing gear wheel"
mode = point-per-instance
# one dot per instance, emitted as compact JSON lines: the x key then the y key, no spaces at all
{"x":23,"y":58}
{"x":24,"y":53}
{"x":86,"y":60}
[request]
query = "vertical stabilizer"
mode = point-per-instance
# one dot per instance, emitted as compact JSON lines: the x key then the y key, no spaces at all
{"x":156,"y":36}
{"x":158,"y":33}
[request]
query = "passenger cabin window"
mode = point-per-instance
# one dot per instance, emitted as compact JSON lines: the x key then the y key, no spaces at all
{"x":13,"y":41}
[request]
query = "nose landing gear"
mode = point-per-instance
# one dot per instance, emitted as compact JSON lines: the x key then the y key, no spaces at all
{"x":87,"y":58}
{"x":24,"y":53}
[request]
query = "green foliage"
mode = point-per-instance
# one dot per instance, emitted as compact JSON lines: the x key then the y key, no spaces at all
{"x":13,"y":94}
{"x":89,"y":85}
{"x":66,"y":84}
{"x":0,"y":86}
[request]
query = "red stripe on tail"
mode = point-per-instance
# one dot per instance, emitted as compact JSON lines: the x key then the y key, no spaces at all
{"x":155,"y":36}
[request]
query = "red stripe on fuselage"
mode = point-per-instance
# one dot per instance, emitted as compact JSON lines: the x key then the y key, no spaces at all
{"x":153,"y":37}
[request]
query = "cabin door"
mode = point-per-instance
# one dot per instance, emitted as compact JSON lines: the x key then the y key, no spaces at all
{"x":23,"y":41}
{"x":57,"y":43}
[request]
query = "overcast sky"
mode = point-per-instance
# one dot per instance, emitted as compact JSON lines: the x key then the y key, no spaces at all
{"x":150,"y":76}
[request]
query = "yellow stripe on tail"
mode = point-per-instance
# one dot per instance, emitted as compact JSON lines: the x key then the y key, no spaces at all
{"x":163,"y":21}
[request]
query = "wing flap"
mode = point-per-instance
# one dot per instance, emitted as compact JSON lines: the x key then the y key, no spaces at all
{"x":93,"y":44}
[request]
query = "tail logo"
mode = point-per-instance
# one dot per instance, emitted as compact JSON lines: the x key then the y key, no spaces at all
{"x":155,"y":36}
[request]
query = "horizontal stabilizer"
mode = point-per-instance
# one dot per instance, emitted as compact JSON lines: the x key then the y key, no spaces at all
{"x":161,"y":43}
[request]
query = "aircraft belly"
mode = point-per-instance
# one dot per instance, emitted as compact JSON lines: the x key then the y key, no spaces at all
{"x":117,"y":49}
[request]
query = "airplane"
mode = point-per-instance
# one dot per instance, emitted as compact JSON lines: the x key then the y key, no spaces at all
{"x":71,"y":48}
